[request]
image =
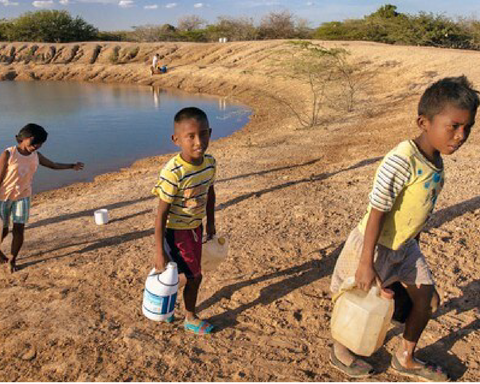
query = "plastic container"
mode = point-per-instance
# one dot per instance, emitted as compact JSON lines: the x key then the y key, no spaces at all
{"x":101,"y":216}
{"x":214,"y":251}
{"x":160,"y":293}
{"x":360,"y":320}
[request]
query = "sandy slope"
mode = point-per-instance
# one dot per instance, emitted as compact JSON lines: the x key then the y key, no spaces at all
{"x":286,"y":197}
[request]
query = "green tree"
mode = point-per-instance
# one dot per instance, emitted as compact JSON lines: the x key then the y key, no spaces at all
{"x":50,"y":26}
{"x":386,"y":25}
{"x":3,"y":29}
{"x":439,"y":31}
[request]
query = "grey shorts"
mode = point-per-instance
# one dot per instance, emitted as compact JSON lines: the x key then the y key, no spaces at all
{"x":407,"y":264}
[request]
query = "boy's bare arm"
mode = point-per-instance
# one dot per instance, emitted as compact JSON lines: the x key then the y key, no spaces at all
{"x":365,"y":275}
{"x":211,"y":212}
{"x":160,"y":225}
{"x":53,"y":165}
{"x":3,"y":165}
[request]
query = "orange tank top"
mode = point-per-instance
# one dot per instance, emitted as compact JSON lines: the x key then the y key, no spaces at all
{"x":17,"y":182}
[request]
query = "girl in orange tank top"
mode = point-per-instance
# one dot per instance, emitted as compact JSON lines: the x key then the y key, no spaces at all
{"x":18,"y":165}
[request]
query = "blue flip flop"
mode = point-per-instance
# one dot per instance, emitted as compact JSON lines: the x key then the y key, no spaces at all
{"x":203,"y":328}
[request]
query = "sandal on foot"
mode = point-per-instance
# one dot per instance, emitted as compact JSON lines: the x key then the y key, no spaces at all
{"x":429,"y":371}
{"x":200,"y":328}
{"x":358,"y":368}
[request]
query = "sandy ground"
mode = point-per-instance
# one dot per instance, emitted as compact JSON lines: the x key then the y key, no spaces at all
{"x":286,"y":197}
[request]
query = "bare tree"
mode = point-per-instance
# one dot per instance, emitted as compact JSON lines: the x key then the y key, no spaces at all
{"x":303,"y":29}
{"x":333,"y":81}
{"x":151,"y":33}
{"x":190,"y":23}
{"x":241,"y":28}
{"x":277,"y":25}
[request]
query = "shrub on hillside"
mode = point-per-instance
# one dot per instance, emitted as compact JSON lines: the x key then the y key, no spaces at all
{"x":3,"y":29}
{"x":113,"y":36}
{"x":386,"y":25}
{"x":471,"y":26}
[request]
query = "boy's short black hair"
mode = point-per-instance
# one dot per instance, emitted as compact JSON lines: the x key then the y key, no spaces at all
{"x":456,"y":91}
{"x":191,"y":113}
{"x":38,"y":133}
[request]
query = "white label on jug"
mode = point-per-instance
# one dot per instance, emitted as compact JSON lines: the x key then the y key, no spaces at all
{"x":158,"y":305}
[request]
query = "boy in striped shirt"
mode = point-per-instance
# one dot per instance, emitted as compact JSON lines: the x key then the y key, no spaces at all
{"x":186,"y":195}
{"x":384,"y":246}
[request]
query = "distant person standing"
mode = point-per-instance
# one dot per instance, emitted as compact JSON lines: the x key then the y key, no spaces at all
{"x":155,"y":63}
{"x":18,"y":165}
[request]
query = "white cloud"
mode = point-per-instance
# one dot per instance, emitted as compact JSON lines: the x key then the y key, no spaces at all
{"x":98,"y":1}
{"x":259,"y":3}
{"x":198,"y":5}
{"x":126,"y":3}
{"x":171,"y":5}
{"x":6,"y":3}
{"x":310,"y":3}
{"x":43,"y":3}
{"x":154,"y":6}
{"x":64,"y":2}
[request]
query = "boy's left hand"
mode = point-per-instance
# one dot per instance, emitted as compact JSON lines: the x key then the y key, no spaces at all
{"x":210,"y":230}
{"x":78,"y":166}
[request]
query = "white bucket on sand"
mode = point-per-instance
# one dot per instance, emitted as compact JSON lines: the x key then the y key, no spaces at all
{"x":160,"y":293}
{"x":101,"y":216}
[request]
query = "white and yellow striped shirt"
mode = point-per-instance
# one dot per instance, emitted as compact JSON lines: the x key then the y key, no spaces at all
{"x":185,"y":186}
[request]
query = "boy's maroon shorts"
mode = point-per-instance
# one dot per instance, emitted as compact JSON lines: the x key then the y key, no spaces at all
{"x":184,"y":247}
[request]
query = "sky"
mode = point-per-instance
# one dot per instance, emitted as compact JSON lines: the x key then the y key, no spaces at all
{"x":108,"y":15}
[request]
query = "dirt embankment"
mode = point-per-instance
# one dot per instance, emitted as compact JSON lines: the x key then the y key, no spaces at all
{"x":286,"y":197}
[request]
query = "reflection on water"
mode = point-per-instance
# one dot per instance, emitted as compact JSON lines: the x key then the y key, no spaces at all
{"x":156,"y":96}
{"x":105,"y":126}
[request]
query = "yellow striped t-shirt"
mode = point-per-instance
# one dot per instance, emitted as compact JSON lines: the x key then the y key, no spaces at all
{"x":406,"y":187}
{"x":185,"y":186}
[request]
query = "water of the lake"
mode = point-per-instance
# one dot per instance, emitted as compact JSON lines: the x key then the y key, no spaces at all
{"x":105,"y":126}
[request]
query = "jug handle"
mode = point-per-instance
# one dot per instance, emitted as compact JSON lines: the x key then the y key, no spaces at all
{"x":349,"y":284}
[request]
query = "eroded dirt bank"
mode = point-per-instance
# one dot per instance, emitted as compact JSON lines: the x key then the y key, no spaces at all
{"x":287,"y":198}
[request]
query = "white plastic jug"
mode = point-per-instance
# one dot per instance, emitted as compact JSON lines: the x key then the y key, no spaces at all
{"x":101,"y":216}
{"x":360,"y":320}
{"x":214,"y":251}
{"x":160,"y":293}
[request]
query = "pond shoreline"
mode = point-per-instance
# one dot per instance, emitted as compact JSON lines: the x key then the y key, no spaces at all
{"x":106,"y":126}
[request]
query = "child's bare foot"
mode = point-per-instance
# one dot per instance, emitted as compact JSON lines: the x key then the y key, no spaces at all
{"x":418,"y":370}
{"x":12,"y":266}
